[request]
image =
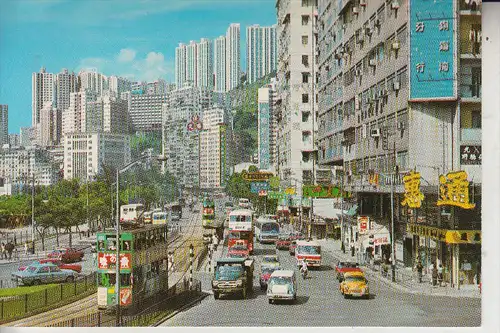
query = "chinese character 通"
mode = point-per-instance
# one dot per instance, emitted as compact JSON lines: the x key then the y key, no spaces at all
{"x":420,"y":26}
{"x":454,"y":190}
{"x":444,"y":46}
{"x":443,"y":26}
{"x":420,"y":67}
{"x":443,"y":67}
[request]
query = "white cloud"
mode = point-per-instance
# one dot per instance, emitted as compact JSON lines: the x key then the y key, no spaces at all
{"x":126,"y":55}
{"x":153,"y":66}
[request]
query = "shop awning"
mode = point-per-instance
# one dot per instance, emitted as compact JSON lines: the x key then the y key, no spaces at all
{"x":324,"y":209}
{"x":381,"y":236}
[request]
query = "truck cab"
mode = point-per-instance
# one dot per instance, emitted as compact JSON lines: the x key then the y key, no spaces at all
{"x":233,"y":275}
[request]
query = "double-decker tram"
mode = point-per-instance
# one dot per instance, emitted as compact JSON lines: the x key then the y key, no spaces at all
{"x":133,"y":213}
{"x":160,"y":217}
{"x":143,"y":271}
{"x":241,"y":228}
{"x":208,"y":213}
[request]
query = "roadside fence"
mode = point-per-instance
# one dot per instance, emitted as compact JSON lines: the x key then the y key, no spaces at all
{"x":20,"y":306}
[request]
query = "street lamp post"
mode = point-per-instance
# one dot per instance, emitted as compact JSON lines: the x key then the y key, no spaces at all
{"x":33,"y":215}
{"x":191,"y":255}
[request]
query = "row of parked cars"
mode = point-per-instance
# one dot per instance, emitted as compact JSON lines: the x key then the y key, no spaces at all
{"x":59,"y":266}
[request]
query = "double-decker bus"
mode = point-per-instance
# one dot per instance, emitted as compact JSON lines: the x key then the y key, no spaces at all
{"x":266,"y":230}
{"x":208,"y":214}
{"x":133,"y":213}
{"x":148,"y":217}
{"x":142,"y":269}
{"x":241,"y":228}
{"x":160,"y":217}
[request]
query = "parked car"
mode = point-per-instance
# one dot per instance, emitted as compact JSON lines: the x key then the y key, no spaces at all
{"x":37,"y":273}
{"x":343,"y":267}
{"x":292,"y":247}
{"x":354,"y":284}
{"x":74,"y":267}
{"x":67,"y":255}
{"x":282,"y":285}
{"x":297,"y":236}
{"x":283,"y":242}
{"x":265,"y":275}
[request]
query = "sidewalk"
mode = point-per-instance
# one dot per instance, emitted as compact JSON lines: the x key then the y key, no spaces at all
{"x":407,"y":280}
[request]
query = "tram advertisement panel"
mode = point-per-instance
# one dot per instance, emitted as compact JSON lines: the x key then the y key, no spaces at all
{"x":108,"y":261}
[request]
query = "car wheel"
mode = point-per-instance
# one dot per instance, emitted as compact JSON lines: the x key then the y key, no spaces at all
{"x":70,"y":279}
{"x":346,"y":296}
{"x":270,"y":301}
{"x":216,"y":296}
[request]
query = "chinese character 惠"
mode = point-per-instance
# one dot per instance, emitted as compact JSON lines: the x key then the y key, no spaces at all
{"x":443,"y":67}
{"x":443,"y":26}
{"x":412,"y":197}
{"x":420,"y":67}
{"x":420,"y":26}
{"x":444,"y":46}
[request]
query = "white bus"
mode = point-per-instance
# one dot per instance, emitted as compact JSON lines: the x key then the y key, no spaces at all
{"x":308,"y":251}
{"x":266,"y":230}
{"x":133,"y":213}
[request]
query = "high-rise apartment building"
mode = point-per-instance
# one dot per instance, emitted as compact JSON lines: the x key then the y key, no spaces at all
{"x":233,"y":56}
{"x":118,"y":85}
{"x":86,"y":154}
{"x":219,"y":67}
{"x":74,"y":118}
{"x":50,"y":126}
{"x":91,"y":80}
{"x":204,"y":64}
{"x":267,"y":127}
{"x":4,"y":124}
{"x":261,"y":51}
{"x":65,"y":84}
{"x":297,"y":72}
{"x":180,"y":65}
{"x":191,"y":64}
{"x":145,"y":111}
{"x":26,"y":136}
{"x":115,"y":115}
{"x":387,"y":108}
{"x":14,"y":140}
{"x":213,"y":148}
{"x":43,"y":90}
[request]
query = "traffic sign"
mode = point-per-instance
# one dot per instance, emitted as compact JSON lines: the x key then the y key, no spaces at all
{"x":262,"y":193}
{"x":255,"y":187}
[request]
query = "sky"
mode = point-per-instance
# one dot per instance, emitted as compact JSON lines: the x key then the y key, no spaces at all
{"x":129,"y":38}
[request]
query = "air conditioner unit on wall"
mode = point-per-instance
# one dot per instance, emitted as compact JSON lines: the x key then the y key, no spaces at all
{"x":375,"y":132}
{"x":401,"y":125}
{"x":396,"y":85}
{"x":373,"y":62}
{"x":362,"y":2}
{"x":355,"y":10}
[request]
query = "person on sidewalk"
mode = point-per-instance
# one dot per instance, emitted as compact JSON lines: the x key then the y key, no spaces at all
{"x":26,"y":248}
{"x":440,"y":274}
{"x":420,"y":267}
{"x":434,"y":275}
{"x":4,"y":252}
{"x":9,"y":247}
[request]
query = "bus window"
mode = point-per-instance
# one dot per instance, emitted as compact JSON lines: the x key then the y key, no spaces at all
{"x":107,"y":280}
{"x":125,"y":210}
{"x":111,"y":245}
{"x":126,"y":246}
{"x":125,"y":280}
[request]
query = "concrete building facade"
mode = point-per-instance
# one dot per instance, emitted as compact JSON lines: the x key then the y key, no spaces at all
{"x":85,"y":154}
{"x":4,"y":124}
{"x":233,"y":56}
{"x":145,"y":111}
{"x":219,"y":66}
{"x":180,"y":65}
{"x":204,"y":64}
{"x":261,"y":51}
{"x":43,"y":91}
{"x":210,"y":148}
{"x":267,"y":127}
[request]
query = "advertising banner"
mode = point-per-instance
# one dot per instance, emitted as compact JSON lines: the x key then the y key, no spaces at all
{"x":432,"y":47}
{"x":108,"y":261}
{"x":363,"y":224}
{"x":223,"y":172}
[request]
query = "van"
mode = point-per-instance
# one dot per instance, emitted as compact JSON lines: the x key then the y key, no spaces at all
{"x":282,"y":285}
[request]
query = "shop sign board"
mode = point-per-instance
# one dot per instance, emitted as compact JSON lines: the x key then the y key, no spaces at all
{"x":256,"y":187}
{"x":256,"y":176}
{"x":454,"y":190}
{"x":412,"y":196}
{"x":470,"y":155}
{"x":425,"y":231}
{"x":432,"y":48}
{"x":318,"y":191}
{"x":363,"y":224}
{"x":276,"y":195}
{"x":463,"y":237}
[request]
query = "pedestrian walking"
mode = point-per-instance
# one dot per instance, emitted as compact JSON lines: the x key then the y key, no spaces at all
{"x":440,"y":274}
{"x":26,"y":248}
{"x":4,"y":252}
{"x":9,"y":247}
{"x":420,"y":267}
{"x":434,"y":275}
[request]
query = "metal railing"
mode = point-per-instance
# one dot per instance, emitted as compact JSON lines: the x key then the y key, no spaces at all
{"x":20,"y":306}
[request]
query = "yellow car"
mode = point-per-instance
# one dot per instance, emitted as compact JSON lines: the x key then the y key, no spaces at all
{"x":354,"y":284}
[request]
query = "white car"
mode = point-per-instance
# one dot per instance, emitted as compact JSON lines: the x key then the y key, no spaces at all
{"x":282,"y":285}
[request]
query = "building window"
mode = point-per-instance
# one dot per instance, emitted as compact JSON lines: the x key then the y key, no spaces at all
{"x":305,"y":98}
{"x":305,"y":60}
{"x":305,"y":19}
{"x":305,"y":3}
{"x":305,"y":77}
{"x":305,"y":40}
{"x":476,"y":119}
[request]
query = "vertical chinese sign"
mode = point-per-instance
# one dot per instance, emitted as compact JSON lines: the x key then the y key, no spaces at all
{"x":222,"y":129}
{"x":432,"y":50}
{"x":264,"y":134}
{"x":412,"y":196}
{"x":454,"y":190}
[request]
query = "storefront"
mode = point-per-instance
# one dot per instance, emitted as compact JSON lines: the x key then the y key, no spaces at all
{"x":459,"y":251}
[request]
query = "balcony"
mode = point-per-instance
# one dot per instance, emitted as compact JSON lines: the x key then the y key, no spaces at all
{"x":471,"y":135}
{"x":470,"y":92}
{"x":473,"y":8}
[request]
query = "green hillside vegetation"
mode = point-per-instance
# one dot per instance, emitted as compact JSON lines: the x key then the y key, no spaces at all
{"x":245,"y":106}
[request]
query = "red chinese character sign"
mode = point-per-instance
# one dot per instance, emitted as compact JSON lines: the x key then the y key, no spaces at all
{"x":195,"y":124}
{"x":454,"y":190}
{"x":363,"y":224}
{"x":108,"y":260}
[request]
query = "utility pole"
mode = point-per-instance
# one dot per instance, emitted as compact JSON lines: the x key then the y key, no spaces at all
{"x":393,"y":236}
{"x":342,"y":227}
{"x":33,"y":214}
{"x":313,"y":82}
{"x":117,"y":280}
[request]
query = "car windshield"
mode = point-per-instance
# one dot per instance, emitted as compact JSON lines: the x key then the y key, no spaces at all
{"x":355,"y":279}
{"x":350,"y":265}
{"x":32,"y":268}
{"x":270,"y":259}
{"x":309,"y":249}
{"x":280,"y":280}
{"x":228,"y":272}
{"x":268,"y":270}
{"x":270,"y":227}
